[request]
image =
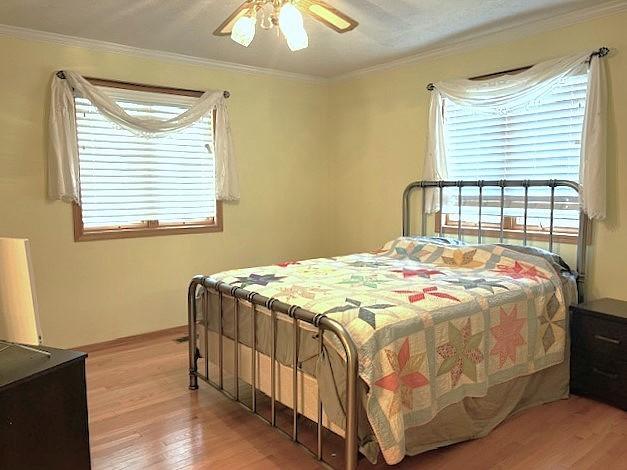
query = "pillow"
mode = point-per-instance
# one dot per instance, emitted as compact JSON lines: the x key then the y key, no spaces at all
{"x":556,"y":261}
{"x":439,"y":240}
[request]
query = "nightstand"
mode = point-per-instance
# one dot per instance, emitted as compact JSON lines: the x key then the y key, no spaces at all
{"x":599,"y":351}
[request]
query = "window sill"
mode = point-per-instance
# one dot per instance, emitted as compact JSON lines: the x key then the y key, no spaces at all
{"x":82,"y":235}
{"x":109,"y":234}
{"x":514,"y":234}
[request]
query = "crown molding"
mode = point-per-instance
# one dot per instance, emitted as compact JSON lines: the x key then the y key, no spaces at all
{"x":43,"y":36}
{"x":510,"y":31}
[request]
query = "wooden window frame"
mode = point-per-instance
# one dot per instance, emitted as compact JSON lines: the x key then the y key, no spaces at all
{"x":150,"y":228}
{"x":511,"y":231}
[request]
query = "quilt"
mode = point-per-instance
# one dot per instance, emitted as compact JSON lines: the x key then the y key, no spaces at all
{"x":432,"y":323}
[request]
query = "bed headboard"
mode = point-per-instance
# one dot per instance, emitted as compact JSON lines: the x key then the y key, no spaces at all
{"x":500,"y":187}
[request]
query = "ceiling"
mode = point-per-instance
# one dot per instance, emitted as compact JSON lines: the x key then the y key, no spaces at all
{"x":388,"y":30}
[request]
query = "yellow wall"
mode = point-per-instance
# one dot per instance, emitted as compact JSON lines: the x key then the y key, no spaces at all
{"x":328,"y":162}
{"x":379,"y":136}
{"x":95,"y":291}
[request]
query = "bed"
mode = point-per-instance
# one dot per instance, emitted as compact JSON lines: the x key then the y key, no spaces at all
{"x":423,"y":343}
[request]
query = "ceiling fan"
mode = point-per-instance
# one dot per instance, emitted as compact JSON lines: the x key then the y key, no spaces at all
{"x":284,"y":14}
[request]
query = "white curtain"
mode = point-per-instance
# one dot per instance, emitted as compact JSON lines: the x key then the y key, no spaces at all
{"x":502,"y":94}
{"x":63,"y":167}
{"x":592,"y":173}
{"x":435,"y":161}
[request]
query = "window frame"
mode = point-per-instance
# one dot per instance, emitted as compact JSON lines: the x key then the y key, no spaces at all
{"x":511,"y":230}
{"x":150,"y":228}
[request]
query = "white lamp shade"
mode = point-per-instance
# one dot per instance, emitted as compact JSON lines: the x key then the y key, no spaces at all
{"x":19,"y":319}
{"x":244,"y":30}
{"x":298,"y":40}
{"x":291,"y":24}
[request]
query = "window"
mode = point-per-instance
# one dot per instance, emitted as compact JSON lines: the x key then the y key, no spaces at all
{"x":540,"y":141}
{"x":133,"y":185}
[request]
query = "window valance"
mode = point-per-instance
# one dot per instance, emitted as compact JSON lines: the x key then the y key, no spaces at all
{"x":63,"y":165}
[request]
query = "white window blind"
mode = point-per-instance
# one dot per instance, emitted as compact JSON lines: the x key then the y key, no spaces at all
{"x":132,"y":180}
{"x":539,"y":141}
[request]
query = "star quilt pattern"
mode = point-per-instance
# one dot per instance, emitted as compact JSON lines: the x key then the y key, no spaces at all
{"x":432,"y":323}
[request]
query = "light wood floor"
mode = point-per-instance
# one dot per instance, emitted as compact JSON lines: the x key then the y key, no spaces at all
{"x":142,"y":416}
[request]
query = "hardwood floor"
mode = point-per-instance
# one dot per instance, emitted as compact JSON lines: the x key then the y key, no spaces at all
{"x":142,"y":416}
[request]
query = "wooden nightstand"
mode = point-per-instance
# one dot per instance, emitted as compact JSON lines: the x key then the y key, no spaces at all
{"x":599,"y":351}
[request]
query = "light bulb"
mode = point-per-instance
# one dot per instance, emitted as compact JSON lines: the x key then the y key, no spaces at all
{"x":291,"y":24}
{"x":244,"y":30}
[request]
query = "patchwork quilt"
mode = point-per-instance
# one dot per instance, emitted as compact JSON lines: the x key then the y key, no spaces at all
{"x":432,"y":323}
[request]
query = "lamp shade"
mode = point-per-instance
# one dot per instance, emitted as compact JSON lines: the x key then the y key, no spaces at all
{"x":297,"y":40}
{"x":244,"y":30}
{"x":291,"y":24}
{"x":19,"y":318}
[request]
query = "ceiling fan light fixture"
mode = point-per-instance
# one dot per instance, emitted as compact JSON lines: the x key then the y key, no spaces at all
{"x":292,"y":27}
{"x":297,"y":40}
{"x":283,"y":15}
{"x":244,"y":30}
{"x":290,"y":18}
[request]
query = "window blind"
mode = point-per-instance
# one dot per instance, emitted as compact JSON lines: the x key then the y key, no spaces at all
{"x":539,"y":141}
{"x":128,"y":179}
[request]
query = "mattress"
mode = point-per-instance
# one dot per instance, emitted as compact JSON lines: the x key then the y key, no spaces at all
{"x":435,"y":326}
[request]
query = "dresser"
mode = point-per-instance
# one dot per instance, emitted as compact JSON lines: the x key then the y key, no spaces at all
{"x":43,"y":410}
{"x":599,"y":351}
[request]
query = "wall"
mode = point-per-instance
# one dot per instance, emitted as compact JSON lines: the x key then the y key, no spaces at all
{"x":333,"y":186}
{"x":100,"y":290}
{"x":380,"y":127}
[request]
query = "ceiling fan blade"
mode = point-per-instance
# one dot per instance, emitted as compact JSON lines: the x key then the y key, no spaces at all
{"x":227,"y":25}
{"x":327,"y":15}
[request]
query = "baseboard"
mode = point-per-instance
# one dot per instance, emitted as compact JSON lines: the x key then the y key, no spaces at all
{"x":129,"y":340}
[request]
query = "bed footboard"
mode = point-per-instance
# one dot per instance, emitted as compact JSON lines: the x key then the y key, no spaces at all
{"x":276,"y":308}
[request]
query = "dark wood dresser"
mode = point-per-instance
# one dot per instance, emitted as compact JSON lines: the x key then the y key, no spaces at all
{"x":43,"y":410}
{"x":599,"y":351}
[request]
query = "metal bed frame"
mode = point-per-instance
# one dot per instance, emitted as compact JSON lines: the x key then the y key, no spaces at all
{"x":327,"y":325}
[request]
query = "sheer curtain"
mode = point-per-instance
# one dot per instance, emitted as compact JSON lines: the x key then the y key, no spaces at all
{"x":63,"y":165}
{"x":502,"y":94}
